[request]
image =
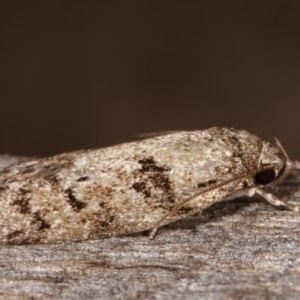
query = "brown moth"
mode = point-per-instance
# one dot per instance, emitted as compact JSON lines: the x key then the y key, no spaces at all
{"x":134,"y":186}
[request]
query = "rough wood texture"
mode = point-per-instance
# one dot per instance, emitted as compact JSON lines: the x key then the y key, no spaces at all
{"x":242,"y":249}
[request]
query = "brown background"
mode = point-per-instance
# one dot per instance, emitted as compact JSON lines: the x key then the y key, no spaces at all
{"x":87,"y":74}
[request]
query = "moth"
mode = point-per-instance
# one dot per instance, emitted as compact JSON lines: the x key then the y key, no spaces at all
{"x":135,"y":186}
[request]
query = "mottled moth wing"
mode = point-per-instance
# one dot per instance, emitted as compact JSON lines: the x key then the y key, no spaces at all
{"x":125,"y":188}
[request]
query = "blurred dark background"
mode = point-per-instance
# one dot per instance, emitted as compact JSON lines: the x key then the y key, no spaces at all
{"x":90,"y":74}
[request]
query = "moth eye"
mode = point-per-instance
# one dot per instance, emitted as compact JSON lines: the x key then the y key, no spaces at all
{"x":265,"y":176}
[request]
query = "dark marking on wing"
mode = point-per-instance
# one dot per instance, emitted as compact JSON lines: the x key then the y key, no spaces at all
{"x":206,"y":183}
{"x":105,"y":224}
{"x":22,"y":201}
{"x":14,"y":234}
{"x":155,"y":179}
{"x":39,"y":221}
{"x":83,"y":178}
{"x":140,"y":187}
{"x":76,"y":204}
{"x":149,"y":165}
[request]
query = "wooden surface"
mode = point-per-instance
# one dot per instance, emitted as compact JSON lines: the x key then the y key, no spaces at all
{"x":242,"y":249}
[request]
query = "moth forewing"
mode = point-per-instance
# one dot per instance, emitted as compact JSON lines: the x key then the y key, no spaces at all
{"x":134,"y":186}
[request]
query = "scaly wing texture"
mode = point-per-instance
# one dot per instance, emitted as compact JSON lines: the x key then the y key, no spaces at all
{"x":122,"y":189}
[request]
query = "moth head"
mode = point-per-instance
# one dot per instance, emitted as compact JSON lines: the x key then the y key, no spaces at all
{"x":273,"y":165}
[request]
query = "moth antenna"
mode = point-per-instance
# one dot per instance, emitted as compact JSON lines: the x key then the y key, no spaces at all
{"x":288,"y":161}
